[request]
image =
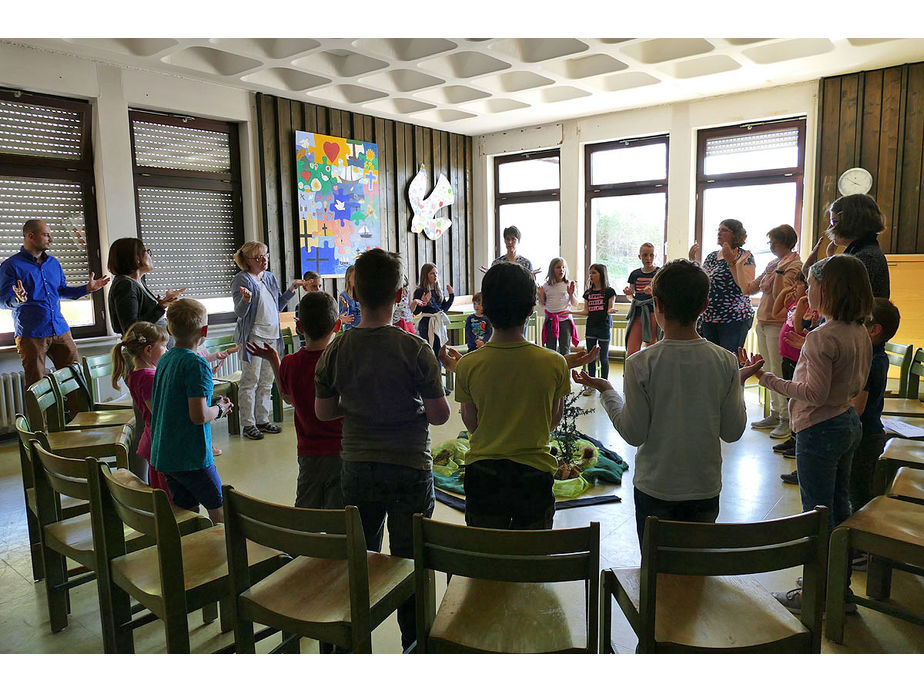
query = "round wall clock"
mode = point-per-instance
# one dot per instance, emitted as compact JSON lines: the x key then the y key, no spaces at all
{"x":855,"y":180}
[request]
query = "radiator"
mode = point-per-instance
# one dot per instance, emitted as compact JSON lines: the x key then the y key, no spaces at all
{"x":229,"y":366}
{"x":12,"y":385}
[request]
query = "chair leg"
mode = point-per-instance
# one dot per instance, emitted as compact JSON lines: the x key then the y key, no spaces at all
{"x":277,"y":404}
{"x":209,"y":612}
{"x":606,"y":619}
{"x":878,"y":578}
{"x":115,"y":609}
{"x":292,"y":643}
{"x":838,"y":551}
{"x":35,"y":546}
{"x":225,"y":614}
{"x":176,"y":630}
{"x":55,"y":592}
{"x":244,"y":642}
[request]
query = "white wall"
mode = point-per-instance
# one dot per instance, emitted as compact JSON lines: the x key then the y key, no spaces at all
{"x":112,"y":91}
{"x":680,"y":120}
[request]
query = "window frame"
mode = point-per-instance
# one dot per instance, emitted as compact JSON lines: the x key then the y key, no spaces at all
{"x":524,"y":196}
{"x":641,"y":187}
{"x":79,"y":171}
{"x":185,"y":179}
{"x":744,"y":178}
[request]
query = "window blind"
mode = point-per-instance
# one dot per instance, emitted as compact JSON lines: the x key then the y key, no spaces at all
{"x":192,"y":237}
{"x":30,"y":129}
{"x":158,"y":145}
{"x":750,"y":143}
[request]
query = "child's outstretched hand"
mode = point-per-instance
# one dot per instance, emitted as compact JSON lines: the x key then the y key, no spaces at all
{"x":579,"y":358}
{"x":571,"y":288}
{"x":598,"y":384}
{"x":794,"y":339}
{"x":346,"y":318}
{"x":264,"y":352}
{"x":749,"y":365}
{"x":628,"y":291}
{"x":449,"y":357}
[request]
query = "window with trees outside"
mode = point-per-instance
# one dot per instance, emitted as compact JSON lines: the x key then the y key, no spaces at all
{"x":754,"y":173}
{"x":626,"y":203}
{"x":46,"y":172}
{"x":527,"y":189}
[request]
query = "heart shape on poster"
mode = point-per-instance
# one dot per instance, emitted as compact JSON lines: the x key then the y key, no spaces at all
{"x":332,"y":150}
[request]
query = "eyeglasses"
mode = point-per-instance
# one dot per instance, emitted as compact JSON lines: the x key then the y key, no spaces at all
{"x":260,"y":257}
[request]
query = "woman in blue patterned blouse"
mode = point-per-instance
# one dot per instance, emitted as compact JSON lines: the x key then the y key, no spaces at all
{"x":729,"y":315}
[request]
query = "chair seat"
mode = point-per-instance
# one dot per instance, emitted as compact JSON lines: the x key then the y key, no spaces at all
{"x":903,"y":407}
{"x":317,"y":591}
{"x":232,"y":378}
{"x":488,"y":616}
{"x":712,"y":612}
{"x":93,"y":442}
{"x":205,"y":563}
{"x":908,"y":485}
{"x":891,"y":519}
{"x":97,"y":419}
{"x":904,"y":450}
{"x":69,"y":506}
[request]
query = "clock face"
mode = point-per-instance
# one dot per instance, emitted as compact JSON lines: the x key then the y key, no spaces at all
{"x":854,"y":181}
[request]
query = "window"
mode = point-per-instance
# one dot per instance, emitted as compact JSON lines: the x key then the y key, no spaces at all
{"x":46,"y":172}
{"x":526,"y":195}
{"x":626,"y":204}
{"x":189,"y":208}
{"x":752,"y":173}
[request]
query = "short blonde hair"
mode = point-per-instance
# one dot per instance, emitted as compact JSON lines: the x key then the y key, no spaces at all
{"x":246,"y":251}
{"x":185,"y":319}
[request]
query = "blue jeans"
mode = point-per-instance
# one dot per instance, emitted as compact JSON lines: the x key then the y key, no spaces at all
{"x":381,"y":490}
{"x":728,"y":335}
{"x":601,"y":337}
{"x":824,"y":453}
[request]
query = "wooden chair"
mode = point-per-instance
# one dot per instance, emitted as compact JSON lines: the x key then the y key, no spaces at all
{"x":95,"y":368}
{"x":226,"y":385}
{"x":510,"y":591}
{"x":899,"y":355}
{"x":68,"y":382}
{"x":110,"y":441}
{"x":912,"y":405}
{"x":892,"y":532}
{"x":898,"y":452}
{"x":173,"y":578}
{"x":691,"y":594}
{"x":77,"y":537}
{"x":332,"y":590}
{"x":908,"y":485}
{"x":70,"y":507}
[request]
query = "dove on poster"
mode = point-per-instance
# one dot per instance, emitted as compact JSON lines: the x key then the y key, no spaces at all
{"x":425,"y":209}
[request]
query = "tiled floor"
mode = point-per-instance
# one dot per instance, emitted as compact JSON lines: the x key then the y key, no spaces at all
{"x":751,"y":491}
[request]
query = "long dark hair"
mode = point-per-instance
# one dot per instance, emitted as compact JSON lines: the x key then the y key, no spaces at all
{"x":604,"y":277}
{"x":424,"y":283}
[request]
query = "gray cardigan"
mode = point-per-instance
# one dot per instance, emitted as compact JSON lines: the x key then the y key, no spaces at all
{"x":246,"y":311}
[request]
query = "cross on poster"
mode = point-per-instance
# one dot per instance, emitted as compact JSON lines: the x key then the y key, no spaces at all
{"x":338,"y":201}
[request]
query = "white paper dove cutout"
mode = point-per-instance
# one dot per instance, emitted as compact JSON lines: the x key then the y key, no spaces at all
{"x":426,"y":209}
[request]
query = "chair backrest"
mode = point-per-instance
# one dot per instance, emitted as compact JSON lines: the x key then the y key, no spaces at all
{"x":553,"y":555}
{"x":695,"y":548}
{"x":57,"y":476}
{"x":67,"y":380}
{"x":42,"y":406}
{"x":214,"y":344}
{"x":26,"y":436}
{"x":289,"y":340}
{"x":900,"y":355}
{"x":96,"y":368}
{"x":915,"y":373}
{"x":331,"y":534}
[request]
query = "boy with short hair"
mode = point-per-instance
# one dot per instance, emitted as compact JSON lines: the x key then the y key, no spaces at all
{"x":477,"y":327}
{"x":312,"y":281}
{"x":319,"y":462}
{"x":385,"y":383}
{"x":882,"y":326}
{"x":181,"y":411}
{"x":683,"y":395}
{"x":641,"y":324}
{"x":508,"y":470}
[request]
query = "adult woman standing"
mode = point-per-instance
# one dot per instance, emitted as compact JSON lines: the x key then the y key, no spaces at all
{"x":855,"y":222}
{"x":257,"y":303}
{"x":512,"y":238}
{"x":130,"y":301}
{"x":778,"y":278}
{"x":729,"y":315}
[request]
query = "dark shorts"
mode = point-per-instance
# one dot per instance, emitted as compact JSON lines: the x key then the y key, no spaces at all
{"x":697,"y":510}
{"x":189,"y":489}
{"x":503,"y":494}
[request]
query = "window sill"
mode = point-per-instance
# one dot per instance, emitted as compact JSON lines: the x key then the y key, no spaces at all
{"x":110,"y":340}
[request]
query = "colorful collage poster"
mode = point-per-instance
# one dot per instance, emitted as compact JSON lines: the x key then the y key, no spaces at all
{"x":338,"y":201}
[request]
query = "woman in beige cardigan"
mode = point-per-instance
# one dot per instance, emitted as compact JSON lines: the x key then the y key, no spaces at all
{"x":777,"y":279}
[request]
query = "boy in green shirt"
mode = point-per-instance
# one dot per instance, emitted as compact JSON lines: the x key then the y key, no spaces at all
{"x":508,"y":470}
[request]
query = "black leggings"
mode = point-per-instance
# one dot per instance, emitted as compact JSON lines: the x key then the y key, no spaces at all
{"x":604,"y":357}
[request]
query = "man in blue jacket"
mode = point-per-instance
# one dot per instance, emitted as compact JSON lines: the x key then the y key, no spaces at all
{"x":31,"y":285}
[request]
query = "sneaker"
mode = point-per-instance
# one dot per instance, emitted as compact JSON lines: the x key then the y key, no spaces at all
{"x":781,"y":431}
{"x":780,"y":448}
{"x":269,"y":427}
{"x":791,"y":478}
{"x":789,"y":454}
{"x":252,"y":432}
{"x":792,"y":600}
{"x":768,"y":422}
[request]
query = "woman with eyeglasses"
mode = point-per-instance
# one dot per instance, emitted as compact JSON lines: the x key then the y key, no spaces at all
{"x":258,"y":301}
{"x":855,"y":222}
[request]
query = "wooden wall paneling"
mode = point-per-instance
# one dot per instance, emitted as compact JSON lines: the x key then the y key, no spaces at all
{"x":886,"y":170}
{"x":441,"y":245}
{"x":467,"y":212}
{"x":292,"y":246}
{"x":388,"y":239}
{"x":910,"y":191}
{"x":269,"y":173}
{"x":280,"y":259}
{"x":418,"y":158}
{"x":871,"y":123}
{"x":847,"y":141}
{"x":826,"y":185}
{"x":408,"y":247}
{"x":333,"y":122}
{"x":456,"y":231}
{"x":415,"y":249}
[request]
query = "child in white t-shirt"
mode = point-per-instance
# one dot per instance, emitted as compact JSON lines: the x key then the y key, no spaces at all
{"x":557,"y":297}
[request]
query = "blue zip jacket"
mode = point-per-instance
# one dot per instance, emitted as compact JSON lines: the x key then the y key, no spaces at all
{"x":246,"y":311}
{"x":40,"y":315}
